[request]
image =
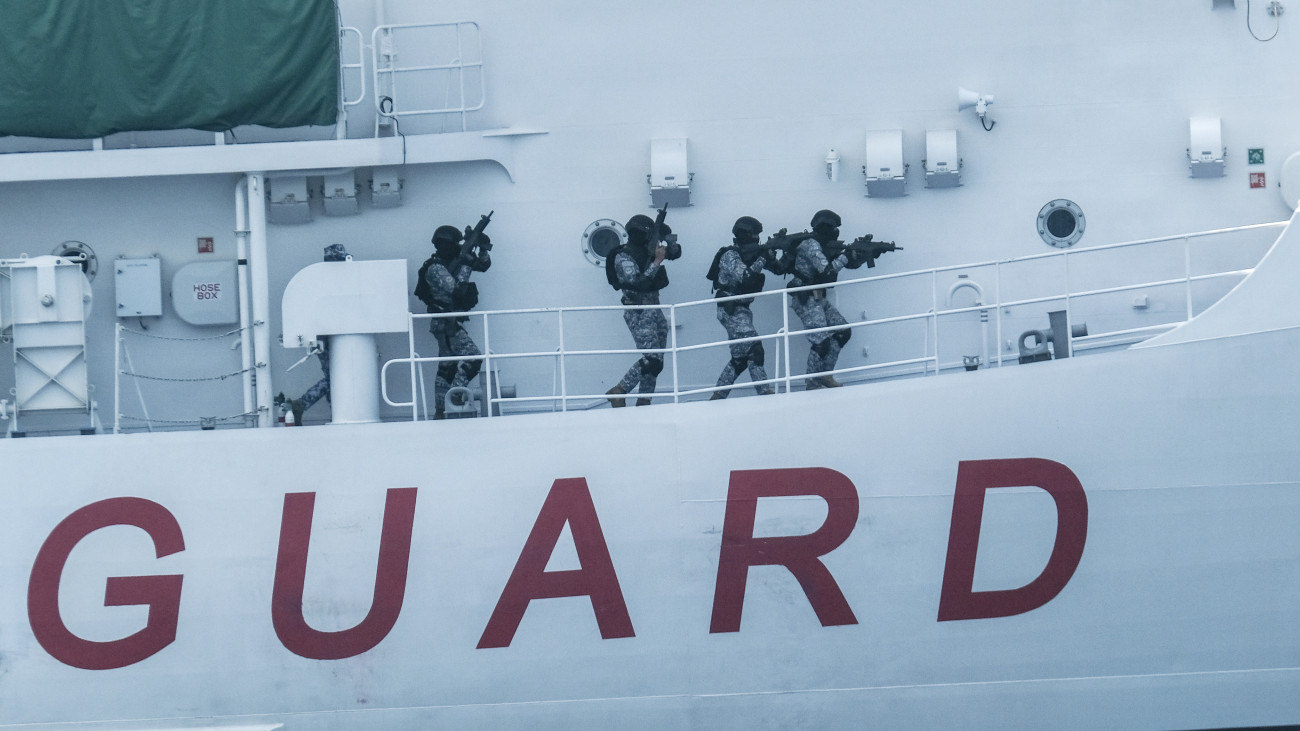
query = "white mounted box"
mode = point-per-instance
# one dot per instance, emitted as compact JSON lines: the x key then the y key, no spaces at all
{"x":207,"y":293}
{"x":885,"y":170}
{"x":670,"y":177}
{"x":339,"y":194}
{"x":1206,"y":152}
{"x":942,"y":162}
{"x":137,"y":284}
{"x":287,"y":200}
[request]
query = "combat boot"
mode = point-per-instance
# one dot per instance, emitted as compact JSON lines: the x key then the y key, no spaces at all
{"x":617,"y":403}
{"x":643,"y":401}
{"x":718,"y":395}
{"x":830,"y":382}
{"x":296,"y":407}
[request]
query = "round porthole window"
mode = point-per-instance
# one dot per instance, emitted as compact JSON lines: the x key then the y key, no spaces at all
{"x":1061,"y":223}
{"x":600,"y":238}
{"x":78,"y":250}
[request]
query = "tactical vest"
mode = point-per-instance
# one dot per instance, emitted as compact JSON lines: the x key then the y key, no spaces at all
{"x":750,"y":284}
{"x":641,"y":258}
{"x":422,"y":290}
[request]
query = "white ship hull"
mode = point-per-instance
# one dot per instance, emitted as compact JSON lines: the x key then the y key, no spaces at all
{"x":1106,"y":541}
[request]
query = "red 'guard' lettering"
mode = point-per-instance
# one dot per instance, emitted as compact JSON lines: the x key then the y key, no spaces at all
{"x":291,"y":575}
{"x":800,"y":554}
{"x":162,"y":594}
{"x":957,"y":600}
{"x":569,"y":501}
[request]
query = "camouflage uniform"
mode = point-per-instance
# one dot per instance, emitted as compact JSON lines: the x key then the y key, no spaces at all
{"x":442,"y":279}
{"x":649,"y":327}
{"x":321,"y":387}
{"x":815,"y":309}
{"x":734,"y":277}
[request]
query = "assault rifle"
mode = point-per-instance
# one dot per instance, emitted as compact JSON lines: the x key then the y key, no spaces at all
{"x":662,"y":235}
{"x":861,"y":250}
{"x":778,"y":242}
{"x":785,"y":241}
{"x":474,"y":237}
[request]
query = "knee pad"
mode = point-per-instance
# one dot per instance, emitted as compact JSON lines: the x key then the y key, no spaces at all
{"x":842,"y":336}
{"x":447,"y":370}
{"x":471,"y":368}
{"x":756,"y":353}
{"x":740,"y":364}
{"x":823,"y":348}
{"x":652,"y":365}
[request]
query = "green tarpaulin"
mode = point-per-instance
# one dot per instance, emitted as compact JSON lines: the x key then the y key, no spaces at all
{"x":88,"y":68}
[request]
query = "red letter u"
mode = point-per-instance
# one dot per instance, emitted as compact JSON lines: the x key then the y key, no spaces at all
{"x":291,"y":575}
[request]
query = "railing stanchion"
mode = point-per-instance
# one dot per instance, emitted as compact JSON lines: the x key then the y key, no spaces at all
{"x":1187,"y":272}
{"x":997,"y":284}
{"x":564,"y":380}
{"x":785,"y":327}
{"x":672,"y":335}
{"x":410,"y":342}
{"x":487,"y":364}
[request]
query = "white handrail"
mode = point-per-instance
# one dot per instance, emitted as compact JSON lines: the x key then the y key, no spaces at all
{"x":929,"y":358}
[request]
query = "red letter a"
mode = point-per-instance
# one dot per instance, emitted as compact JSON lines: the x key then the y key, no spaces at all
{"x":291,"y":574}
{"x":957,"y":600}
{"x":569,"y":502}
{"x":800,"y":554}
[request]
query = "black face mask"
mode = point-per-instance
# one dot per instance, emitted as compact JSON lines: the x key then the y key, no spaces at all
{"x":826,"y":235}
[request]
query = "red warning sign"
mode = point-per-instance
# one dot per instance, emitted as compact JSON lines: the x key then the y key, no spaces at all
{"x":1257,"y":180}
{"x":206,"y":245}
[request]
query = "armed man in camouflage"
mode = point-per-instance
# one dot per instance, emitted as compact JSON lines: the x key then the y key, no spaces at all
{"x":637,"y":270}
{"x":447,"y":288}
{"x":812,"y":306}
{"x":738,"y":269}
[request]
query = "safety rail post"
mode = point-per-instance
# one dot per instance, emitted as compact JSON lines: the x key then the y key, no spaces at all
{"x":934,"y":310}
{"x":487,"y":363}
{"x":785,"y":328}
{"x":460,"y":75}
{"x":117,"y":380}
{"x":1187,"y":272}
{"x":410,"y":341}
{"x":672,"y":335}
{"x":997,"y":284}
{"x":1069,"y":320}
{"x":564,"y":378}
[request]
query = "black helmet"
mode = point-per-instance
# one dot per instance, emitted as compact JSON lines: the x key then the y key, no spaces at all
{"x":825,"y":218}
{"x":335,"y":252}
{"x":639,"y":227}
{"x":446,"y":233}
{"x":746,"y":228}
{"x":446,"y":240}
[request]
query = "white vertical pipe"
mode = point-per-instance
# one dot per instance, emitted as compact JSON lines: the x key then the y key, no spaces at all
{"x":260,"y":295}
{"x":117,"y":378}
{"x":354,"y":379}
{"x":241,"y":252}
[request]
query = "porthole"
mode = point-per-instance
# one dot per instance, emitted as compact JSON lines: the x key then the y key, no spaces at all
{"x":602,"y":237}
{"x":78,"y":250}
{"x":1061,"y":223}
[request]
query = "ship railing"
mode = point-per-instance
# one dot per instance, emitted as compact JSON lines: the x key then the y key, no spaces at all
{"x":925,"y":319}
{"x":405,"y":90}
